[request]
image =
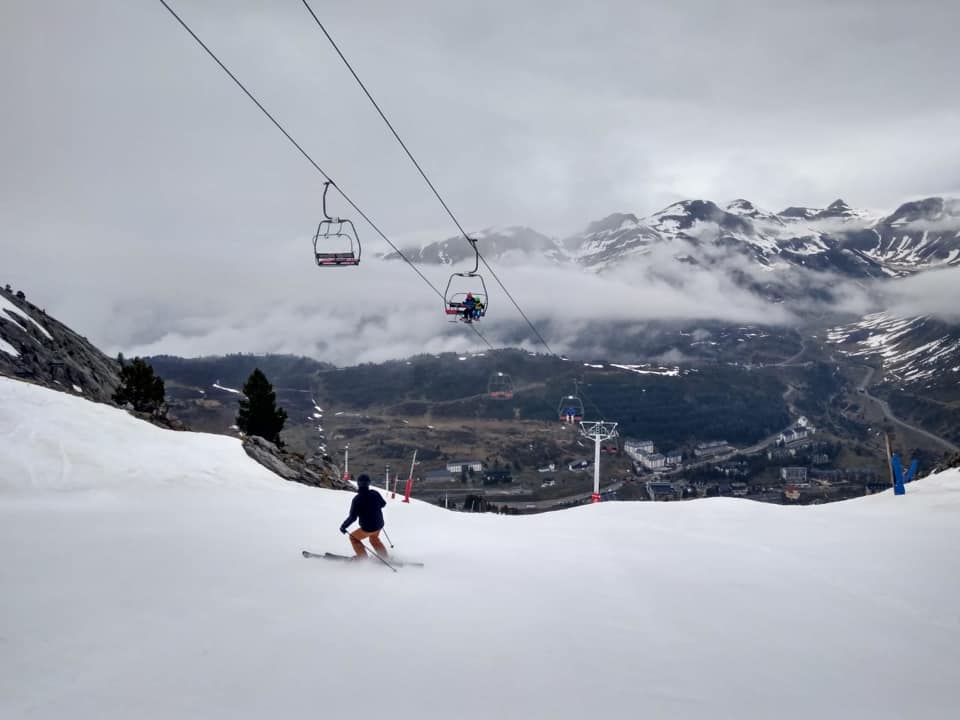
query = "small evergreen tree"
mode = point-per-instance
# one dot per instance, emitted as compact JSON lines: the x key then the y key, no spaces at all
{"x":140,"y":387}
{"x":259,"y":414}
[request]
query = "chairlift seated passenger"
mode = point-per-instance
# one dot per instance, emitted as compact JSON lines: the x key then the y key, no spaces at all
{"x":571,"y":409}
{"x":465,"y":299}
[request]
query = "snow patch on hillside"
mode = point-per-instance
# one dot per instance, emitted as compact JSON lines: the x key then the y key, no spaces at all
{"x":9,"y":349}
{"x":893,"y":339}
{"x":649,"y":370}
{"x":21,"y":317}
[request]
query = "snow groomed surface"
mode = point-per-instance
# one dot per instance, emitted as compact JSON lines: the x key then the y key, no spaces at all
{"x":155,"y":574}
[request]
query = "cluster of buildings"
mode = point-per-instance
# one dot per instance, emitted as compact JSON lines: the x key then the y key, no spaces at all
{"x":644,"y":454}
{"x":803,"y":482}
{"x":456,"y":470}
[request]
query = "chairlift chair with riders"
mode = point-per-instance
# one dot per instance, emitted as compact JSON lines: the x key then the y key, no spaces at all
{"x":571,"y":409}
{"x":465,"y":299}
{"x":336,"y":243}
{"x":500,"y":387}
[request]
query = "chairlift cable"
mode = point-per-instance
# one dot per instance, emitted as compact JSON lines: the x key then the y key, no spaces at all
{"x":426,"y":179}
{"x":299,"y":147}
{"x":480,"y":334}
{"x":384,"y":118}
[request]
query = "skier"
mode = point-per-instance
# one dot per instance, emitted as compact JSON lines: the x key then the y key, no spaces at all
{"x":367,"y":506}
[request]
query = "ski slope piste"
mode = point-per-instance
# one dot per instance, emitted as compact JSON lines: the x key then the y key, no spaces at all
{"x":148,"y":573}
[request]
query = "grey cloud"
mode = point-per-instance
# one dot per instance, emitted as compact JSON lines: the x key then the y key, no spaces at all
{"x":935,"y":293}
{"x":144,"y":198}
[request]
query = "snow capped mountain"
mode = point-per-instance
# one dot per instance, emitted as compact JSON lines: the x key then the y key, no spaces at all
{"x":838,"y":210}
{"x":618,"y":234}
{"x":919,"y":234}
{"x":745,"y":208}
{"x":837,"y":238}
{"x":797,"y":213}
{"x":702,"y":233}
{"x":492,"y":242}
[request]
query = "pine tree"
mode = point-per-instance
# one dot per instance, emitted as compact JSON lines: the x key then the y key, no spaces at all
{"x":259,"y":414}
{"x":140,"y":387}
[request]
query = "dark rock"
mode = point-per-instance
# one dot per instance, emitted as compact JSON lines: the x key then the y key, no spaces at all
{"x":317,"y":471}
{"x":62,"y":361}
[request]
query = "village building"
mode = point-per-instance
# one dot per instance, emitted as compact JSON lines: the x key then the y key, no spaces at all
{"x":793,"y":474}
{"x":660,"y":490}
{"x":781,"y":453}
{"x":636,"y":449}
{"x":794,"y":435}
{"x":462,"y":466}
{"x":654,"y":461}
{"x":713,"y":447}
{"x":674,"y":457}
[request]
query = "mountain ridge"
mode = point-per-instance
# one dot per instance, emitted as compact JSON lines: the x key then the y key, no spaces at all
{"x":917,"y":235}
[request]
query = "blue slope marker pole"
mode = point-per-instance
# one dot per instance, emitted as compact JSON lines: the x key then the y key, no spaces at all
{"x":898,"y":488}
{"x":912,"y":471}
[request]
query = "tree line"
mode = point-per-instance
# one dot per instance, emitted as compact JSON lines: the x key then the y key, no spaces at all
{"x":142,"y":390}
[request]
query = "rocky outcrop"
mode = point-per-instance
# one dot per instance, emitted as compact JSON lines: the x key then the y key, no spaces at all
{"x":36,"y":348}
{"x":318,"y":470}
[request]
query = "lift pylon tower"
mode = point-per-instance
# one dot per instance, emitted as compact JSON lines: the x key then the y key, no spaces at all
{"x":598,"y":431}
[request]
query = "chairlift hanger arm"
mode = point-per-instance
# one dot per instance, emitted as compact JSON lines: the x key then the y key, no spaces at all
{"x":476,"y":256}
{"x":326,"y":187}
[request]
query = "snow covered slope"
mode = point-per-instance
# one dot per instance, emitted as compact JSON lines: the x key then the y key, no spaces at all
{"x":913,"y":350}
{"x":919,"y":234}
{"x":154,"y":574}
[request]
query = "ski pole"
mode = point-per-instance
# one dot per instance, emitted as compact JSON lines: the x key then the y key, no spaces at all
{"x":387,"y":537}
{"x":377,"y":556}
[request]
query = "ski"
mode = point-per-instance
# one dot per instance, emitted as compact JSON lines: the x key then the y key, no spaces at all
{"x":349,"y":558}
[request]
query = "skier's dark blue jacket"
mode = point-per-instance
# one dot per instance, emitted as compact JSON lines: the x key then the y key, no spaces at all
{"x":366,"y":506}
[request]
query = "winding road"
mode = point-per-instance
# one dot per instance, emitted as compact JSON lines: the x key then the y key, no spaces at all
{"x":862,"y":388}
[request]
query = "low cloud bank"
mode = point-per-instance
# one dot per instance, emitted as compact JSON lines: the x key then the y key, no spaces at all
{"x":277,"y":301}
{"x":935,"y":293}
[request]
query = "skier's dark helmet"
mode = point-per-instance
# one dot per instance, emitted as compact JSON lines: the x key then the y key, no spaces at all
{"x":363,"y":482}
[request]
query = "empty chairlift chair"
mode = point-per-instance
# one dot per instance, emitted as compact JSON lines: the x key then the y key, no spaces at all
{"x":500,"y":387}
{"x":336,"y":243}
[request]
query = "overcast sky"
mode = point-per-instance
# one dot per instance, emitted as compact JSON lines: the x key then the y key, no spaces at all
{"x":143,"y":198}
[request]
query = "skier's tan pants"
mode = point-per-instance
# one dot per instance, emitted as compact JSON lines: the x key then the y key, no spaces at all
{"x":358,"y":535}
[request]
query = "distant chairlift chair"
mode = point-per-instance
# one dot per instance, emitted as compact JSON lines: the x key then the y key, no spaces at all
{"x":500,"y":387}
{"x":571,"y":409}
